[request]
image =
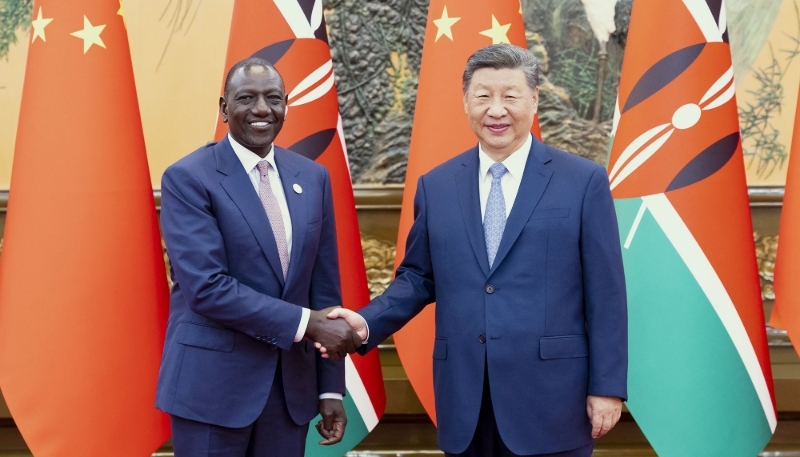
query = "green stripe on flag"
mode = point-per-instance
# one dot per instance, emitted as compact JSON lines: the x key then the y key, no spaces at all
{"x":353,"y":434}
{"x":688,"y":388}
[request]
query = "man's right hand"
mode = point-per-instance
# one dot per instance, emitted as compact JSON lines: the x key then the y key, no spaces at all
{"x":353,"y":319}
{"x":335,"y":335}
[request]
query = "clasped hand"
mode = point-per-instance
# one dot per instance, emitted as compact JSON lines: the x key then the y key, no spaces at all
{"x":336,"y":332}
{"x":335,"y":337}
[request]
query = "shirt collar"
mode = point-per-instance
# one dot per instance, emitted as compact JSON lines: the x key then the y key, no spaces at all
{"x":515,"y":163}
{"x":250,"y":159}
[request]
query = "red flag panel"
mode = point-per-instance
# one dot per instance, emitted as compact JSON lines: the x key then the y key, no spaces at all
{"x":83,"y":293}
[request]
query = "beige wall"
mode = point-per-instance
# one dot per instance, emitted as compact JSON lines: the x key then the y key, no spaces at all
{"x":178,"y":98}
{"x":780,"y":39}
{"x":12,"y":71}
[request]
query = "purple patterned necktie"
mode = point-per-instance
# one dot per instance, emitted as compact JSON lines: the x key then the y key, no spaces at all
{"x":270,"y":204}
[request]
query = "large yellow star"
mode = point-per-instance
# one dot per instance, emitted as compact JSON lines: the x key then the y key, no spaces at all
{"x":498,"y":33}
{"x":38,"y":26}
{"x":90,"y":35}
{"x":121,"y":12}
{"x":444,"y":24}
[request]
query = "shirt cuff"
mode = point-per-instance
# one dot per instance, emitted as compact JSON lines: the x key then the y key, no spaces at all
{"x":301,"y":329}
{"x":331,"y":396}
{"x":366,"y":340}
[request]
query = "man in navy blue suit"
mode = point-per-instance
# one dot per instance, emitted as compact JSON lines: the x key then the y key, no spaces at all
{"x":517,"y":243}
{"x":250,"y":233}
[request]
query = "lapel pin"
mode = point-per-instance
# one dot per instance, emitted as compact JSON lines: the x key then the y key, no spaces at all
{"x":297,"y":189}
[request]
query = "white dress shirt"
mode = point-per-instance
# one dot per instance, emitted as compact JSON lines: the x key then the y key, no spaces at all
{"x":515,"y":164}
{"x":249,"y":161}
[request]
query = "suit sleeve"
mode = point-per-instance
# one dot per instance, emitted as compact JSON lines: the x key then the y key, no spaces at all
{"x":326,"y":289}
{"x":413,"y":285}
{"x":604,"y":291}
{"x":199,"y":263}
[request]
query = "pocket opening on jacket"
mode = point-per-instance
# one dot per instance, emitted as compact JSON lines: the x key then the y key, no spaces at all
{"x":205,"y":336}
{"x":563,"y":347}
{"x":549,"y":213}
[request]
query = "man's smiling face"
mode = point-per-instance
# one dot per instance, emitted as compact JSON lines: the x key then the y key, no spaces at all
{"x":500,"y":106}
{"x":254,"y":106}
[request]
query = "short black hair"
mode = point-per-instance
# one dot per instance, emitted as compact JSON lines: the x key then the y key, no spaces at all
{"x":246,"y":63}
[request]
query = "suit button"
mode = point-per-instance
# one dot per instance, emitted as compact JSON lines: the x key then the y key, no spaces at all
{"x":489,"y":289}
{"x":482,"y":339}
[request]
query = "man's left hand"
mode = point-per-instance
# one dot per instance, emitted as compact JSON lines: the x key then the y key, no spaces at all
{"x":333,"y":422}
{"x":603,"y":412}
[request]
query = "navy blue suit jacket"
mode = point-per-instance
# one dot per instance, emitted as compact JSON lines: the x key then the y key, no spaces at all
{"x":549,"y":317}
{"x":231,"y":312}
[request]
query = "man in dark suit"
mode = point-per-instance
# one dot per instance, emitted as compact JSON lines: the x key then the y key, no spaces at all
{"x":250,"y":233}
{"x":517,"y":243}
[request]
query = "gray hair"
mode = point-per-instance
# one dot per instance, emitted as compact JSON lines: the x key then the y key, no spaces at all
{"x":500,"y":56}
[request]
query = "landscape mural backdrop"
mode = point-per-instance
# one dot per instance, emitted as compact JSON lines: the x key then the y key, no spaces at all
{"x":178,"y":50}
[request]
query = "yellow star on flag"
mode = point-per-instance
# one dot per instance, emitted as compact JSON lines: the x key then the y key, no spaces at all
{"x":90,"y":35}
{"x":444,"y":24}
{"x":38,"y":26}
{"x":498,"y":33}
{"x":121,"y":12}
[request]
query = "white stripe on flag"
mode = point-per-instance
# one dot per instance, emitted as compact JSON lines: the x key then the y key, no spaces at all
{"x":705,"y":19}
{"x":344,"y":146}
{"x":356,"y":389}
{"x":695,"y":259}
{"x":295,"y":17}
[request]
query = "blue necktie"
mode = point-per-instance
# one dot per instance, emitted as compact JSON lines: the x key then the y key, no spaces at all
{"x":494,"y":218}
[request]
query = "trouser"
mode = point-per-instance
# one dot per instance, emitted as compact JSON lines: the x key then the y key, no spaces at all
{"x":487,"y":441}
{"x":273,"y":434}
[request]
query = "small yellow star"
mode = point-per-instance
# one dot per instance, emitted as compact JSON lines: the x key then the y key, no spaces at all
{"x":38,"y":26}
{"x":90,"y":35}
{"x":498,"y":33}
{"x":444,"y":24}
{"x":121,"y":12}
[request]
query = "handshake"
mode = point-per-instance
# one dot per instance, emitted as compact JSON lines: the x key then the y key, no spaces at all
{"x":336,"y":331}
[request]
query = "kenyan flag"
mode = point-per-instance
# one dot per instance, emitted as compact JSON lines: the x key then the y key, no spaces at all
{"x":291,"y":35}
{"x":700,"y":381}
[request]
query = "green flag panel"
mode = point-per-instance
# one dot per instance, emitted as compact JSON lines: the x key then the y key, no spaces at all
{"x":688,"y":388}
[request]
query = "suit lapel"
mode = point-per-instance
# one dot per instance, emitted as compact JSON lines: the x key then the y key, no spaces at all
{"x":290,"y":176}
{"x":469,"y":200}
{"x":240,"y":189}
{"x":534,"y":181}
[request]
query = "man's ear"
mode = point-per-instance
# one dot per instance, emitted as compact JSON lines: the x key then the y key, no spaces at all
{"x":223,"y":109}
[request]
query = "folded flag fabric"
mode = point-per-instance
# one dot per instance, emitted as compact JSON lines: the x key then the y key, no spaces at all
{"x":700,"y":381}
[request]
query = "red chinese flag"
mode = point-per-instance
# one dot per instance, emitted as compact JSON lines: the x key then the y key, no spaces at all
{"x":786,"y":310}
{"x":455,"y":30}
{"x":291,"y":35}
{"x":83,"y":292}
